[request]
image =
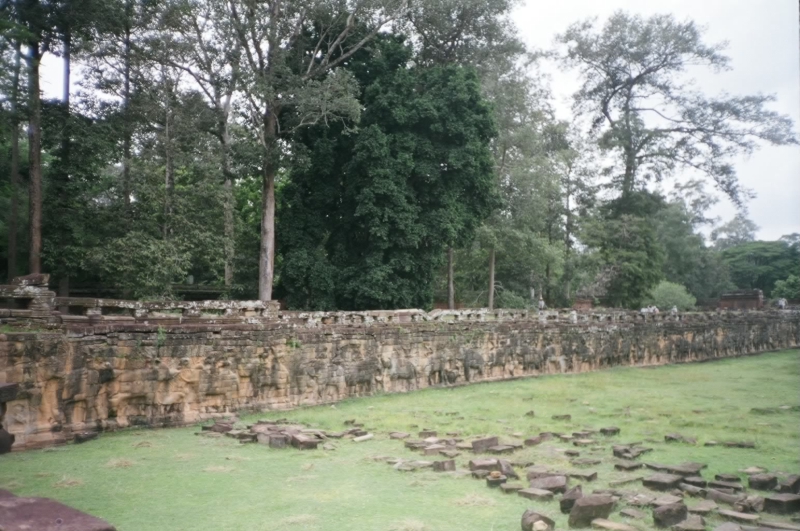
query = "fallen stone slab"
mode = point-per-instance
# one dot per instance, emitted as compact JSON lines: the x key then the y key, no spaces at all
{"x":562,"y":417}
{"x":85,"y":436}
{"x":662,"y":481}
{"x":666,"y":499}
{"x":555,"y":484}
{"x":697,"y":481}
{"x":511,"y":488}
{"x":533,"y":441}
{"x":602,"y":523}
{"x":784,"y":503}
{"x":399,"y":435}
{"x":678,"y":438}
{"x":704,"y":507}
{"x":739,"y":444}
{"x":534,"y":472}
{"x":725,"y":485}
{"x":489,"y":464}
{"x":627,"y":466}
{"x":728,"y":526}
{"x":640,"y":500}
{"x":530,"y":413}
{"x":569,"y":497}
{"x":424,"y":434}
{"x":589,"y":508}
{"x":728,"y":477}
{"x":501,"y":449}
{"x":753,"y":470}
{"x":480,"y":474}
{"x":495,"y":479}
{"x":722,"y":497}
{"x":669,"y":515}
{"x":507,"y":469}
{"x":790,"y":484}
{"x":738,"y":517}
{"x":625,"y":481}
{"x":583,"y":476}
{"x":531,"y":519}
{"x":482,"y":445}
{"x":762,"y":481}
{"x":691,"y":490}
{"x":772,"y":524}
{"x":572,"y":453}
{"x":585,"y":461}
{"x":609,"y":431}
{"x":751,"y":504}
{"x":448,"y":465}
{"x":365,"y":437}
{"x":450,"y":453}
{"x":583,"y":442}
{"x":693,"y":522}
{"x":304,"y":442}
{"x":536,"y":494}
{"x":44,"y":514}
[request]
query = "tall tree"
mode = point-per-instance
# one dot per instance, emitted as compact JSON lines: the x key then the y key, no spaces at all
{"x":636,"y":91}
{"x":277,"y":74}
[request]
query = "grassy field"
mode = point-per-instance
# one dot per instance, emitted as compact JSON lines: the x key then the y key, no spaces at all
{"x":159,"y":480}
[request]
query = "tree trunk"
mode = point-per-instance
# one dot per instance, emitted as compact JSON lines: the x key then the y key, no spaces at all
{"x":568,"y":245}
{"x":35,"y":159}
{"x":266,"y":259}
{"x":14,"y":177}
{"x":126,"y":104}
{"x":169,"y":169}
{"x":228,"y":206}
{"x":66,"y":140}
{"x":491,"y":279}
{"x":451,"y":292}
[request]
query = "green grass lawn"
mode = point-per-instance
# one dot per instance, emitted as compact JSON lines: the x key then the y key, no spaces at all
{"x":171,"y":479}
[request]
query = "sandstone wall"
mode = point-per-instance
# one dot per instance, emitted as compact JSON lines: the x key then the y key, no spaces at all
{"x":107,"y":375}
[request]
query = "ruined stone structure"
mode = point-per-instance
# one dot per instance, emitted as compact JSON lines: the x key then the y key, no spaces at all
{"x":101,"y":372}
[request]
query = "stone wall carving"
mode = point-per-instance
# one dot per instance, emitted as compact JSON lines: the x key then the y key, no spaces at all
{"x":105,"y":375}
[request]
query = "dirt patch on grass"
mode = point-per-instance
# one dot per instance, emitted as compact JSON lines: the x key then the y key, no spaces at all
{"x":474,"y":500}
{"x":409,"y":525}
{"x":119,"y":463}
{"x":299,"y":519}
{"x":67,"y":482}
{"x":220,"y":469}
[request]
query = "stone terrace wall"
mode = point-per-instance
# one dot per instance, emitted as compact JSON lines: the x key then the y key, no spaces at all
{"x":103,"y":374}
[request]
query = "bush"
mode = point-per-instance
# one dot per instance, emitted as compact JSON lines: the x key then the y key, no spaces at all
{"x":668,"y":294}
{"x":787,"y":289}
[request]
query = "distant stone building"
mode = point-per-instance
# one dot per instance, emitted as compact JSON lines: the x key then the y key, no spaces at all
{"x":746,"y":299}
{"x":583,"y":303}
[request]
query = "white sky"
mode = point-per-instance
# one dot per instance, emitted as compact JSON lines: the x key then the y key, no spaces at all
{"x":764,"y":45}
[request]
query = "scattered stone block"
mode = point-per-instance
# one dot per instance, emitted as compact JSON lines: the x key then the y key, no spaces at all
{"x":536,"y":494}
{"x":511,"y":488}
{"x":433,"y":449}
{"x":780,"y":525}
{"x":693,"y":523}
{"x":568,"y":499}
{"x":739,"y":444}
{"x":722,"y":497}
{"x":535,"y":472}
{"x":572,"y":453}
{"x":533,"y":441}
{"x":609,"y":431}
{"x":602,"y":523}
{"x":495,"y":479}
{"x":739,"y":517}
{"x":677,"y":437}
{"x":728,"y":477}
{"x":669,"y":515}
{"x":480,"y":474}
{"x":666,"y":499}
{"x":278,"y":441}
{"x":507,"y":469}
{"x":583,"y":442}
{"x":641,"y":500}
{"x":751,"y":504}
{"x":697,"y":481}
{"x":662,"y":482}
{"x":424,"y":434}
{"x":583,"y":476}
{"x":534,"y":521}
{"x":449,"y":453}
{"x":448,"y":465}
{"x":691,"y":490}
{"x":784,"y":503}
{"x":484,"y":464}
{"x":725,"y":485}
{"x":625,"y":481}
{"x":399,"y":435}
{"x":704,"y":507}
{"x":530,"y":413}
{"x":482,"y":445}
{"x":555,"y":484}
{"x":762,"y":481}
{"x":562,"y":417}
{"x":566,"y":438}
{"x":585,"y":461}
{"x":588,"y":508}
{"x":627,"y":466}
{"x":753,"y":470}
{"x":365,"y":437}
{"x":304,"y":442}
{"x":789,"y":485}
{"x":728,"y":526}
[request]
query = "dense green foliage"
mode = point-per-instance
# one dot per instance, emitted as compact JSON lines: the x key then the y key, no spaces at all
{"x":787,"y":289}
{"x":667,"y":295}
{"x":377,"y":141}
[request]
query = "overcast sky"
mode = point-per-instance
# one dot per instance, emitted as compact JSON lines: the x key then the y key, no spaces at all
{"x":764,"y":47}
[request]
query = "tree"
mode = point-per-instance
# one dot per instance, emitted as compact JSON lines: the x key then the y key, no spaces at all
{"x":668,"y":294}
{"x":366,"y":217}
{"x":759,"y":264}
{"x":737,"y":231}
{"x":643,"y":110}
{"x":279,"y":75}
{"x":787,"y":289}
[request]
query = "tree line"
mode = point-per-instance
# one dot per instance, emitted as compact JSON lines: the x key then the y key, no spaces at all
{"x":380,"y":154}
